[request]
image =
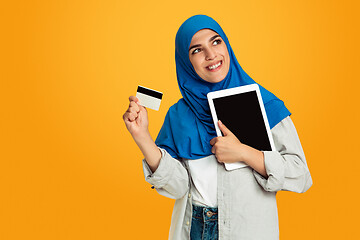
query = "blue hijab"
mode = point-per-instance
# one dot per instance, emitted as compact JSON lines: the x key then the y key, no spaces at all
{"x":188,"y":126}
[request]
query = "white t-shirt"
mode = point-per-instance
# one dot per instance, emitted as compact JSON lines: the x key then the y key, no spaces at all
{"x":204,"y":176}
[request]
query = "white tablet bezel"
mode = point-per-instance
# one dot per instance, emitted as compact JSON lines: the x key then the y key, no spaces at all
{"x":234,"y":91}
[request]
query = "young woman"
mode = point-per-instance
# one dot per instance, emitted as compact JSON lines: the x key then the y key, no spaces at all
{"x":186,"y":162}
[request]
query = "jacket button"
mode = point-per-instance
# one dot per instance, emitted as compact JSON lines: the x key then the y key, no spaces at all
{"x":187,"y":223}
{"x":189,"y":195}
{"x":209,"y":214}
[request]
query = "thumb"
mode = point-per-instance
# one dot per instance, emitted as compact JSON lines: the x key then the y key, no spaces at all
{"x":224,"y":129}
{"x":142,"y":108}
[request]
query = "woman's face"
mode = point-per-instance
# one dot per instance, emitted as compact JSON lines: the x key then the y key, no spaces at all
{"x":209,"y":56}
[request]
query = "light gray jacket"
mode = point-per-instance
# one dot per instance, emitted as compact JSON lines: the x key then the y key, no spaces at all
{"x":246,"y":200}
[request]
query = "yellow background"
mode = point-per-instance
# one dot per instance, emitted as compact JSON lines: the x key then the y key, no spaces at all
{"x":70,"y":170}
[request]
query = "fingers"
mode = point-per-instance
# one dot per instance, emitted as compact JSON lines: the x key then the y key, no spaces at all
{"x":134,"y":99}
{"x":217,"y":152}
{"x":134,"y":107}
{"x":133,"y":110}
{"x":214,"y":140}
{"x":130,"y":116}
{"x":213,"y":143}
{"x":224,"y":129}
{"x":213,"y":150}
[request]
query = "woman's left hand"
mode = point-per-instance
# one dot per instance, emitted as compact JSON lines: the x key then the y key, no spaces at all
{"x":227,"y":149}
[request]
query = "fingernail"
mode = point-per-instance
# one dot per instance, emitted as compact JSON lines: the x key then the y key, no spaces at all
{"x":220,"y":122}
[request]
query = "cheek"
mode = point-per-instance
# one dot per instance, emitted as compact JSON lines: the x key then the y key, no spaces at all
{"x":196,"y":63}
{"x":225,"y":52}
{"x":227,"y":58}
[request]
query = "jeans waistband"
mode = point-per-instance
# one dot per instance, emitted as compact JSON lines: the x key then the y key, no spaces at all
{"x":205,"y":213}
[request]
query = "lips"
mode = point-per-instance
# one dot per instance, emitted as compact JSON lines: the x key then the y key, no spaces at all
{"x":214,"y":67}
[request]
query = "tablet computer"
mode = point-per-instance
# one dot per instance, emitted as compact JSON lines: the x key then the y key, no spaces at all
{"x":242,"y":111}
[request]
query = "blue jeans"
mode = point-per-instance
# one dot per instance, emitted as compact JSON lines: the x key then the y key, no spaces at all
{"x":204,"y":223}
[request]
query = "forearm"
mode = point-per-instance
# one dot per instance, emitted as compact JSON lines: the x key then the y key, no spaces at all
{"x":254,"y":158}
{"x":285,"y":172}
{"x":286,"y":164}
{"x":170,"y":179}
{"x":149,"y":149}
{"x":136,"y":121}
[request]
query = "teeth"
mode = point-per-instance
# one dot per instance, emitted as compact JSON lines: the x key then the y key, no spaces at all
{"x":214,"y":66}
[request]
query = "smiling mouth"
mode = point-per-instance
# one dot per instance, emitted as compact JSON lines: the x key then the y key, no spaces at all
{"x":215,"y":66}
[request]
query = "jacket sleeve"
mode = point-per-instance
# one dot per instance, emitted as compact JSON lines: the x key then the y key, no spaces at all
{"x":170,"y":179}
{"x":286,"y":168}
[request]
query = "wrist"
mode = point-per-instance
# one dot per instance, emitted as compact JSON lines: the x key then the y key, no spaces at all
{"x":141,"y":137}
{"x":249,"y":155}
{"x":242,"y":152}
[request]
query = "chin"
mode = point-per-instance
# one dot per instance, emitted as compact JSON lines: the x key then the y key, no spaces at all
{"x":216,"y":80}
{"x":213,"y":79}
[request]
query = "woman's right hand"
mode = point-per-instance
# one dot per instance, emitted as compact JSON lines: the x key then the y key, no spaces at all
{"x":136,"y":121}
{"x":136,"y":118}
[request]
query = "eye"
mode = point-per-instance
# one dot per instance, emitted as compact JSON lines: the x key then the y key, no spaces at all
{"x":217,"y":41}
{"x":196,"y":51}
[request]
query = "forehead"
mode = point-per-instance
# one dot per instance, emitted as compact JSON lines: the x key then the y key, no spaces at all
{"x":202,"y":35}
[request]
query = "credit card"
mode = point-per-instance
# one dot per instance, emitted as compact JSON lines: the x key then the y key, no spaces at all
{"x":149,"y":98}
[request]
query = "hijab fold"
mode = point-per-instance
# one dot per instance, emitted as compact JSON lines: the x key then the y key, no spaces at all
{"x":188,"y":126}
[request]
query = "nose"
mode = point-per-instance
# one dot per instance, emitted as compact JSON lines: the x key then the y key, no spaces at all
{"x":210,"y":54}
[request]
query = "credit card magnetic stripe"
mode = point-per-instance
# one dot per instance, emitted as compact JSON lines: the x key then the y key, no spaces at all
{"x":149,"y":92}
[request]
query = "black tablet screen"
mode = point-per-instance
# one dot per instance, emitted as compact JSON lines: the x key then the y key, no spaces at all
{"x":241,"y":113}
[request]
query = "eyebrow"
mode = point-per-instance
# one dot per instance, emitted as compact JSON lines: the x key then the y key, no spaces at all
{"x":199,"y":45}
